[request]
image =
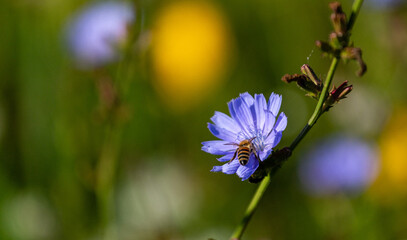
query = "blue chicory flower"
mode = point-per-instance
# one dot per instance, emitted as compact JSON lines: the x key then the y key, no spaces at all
{"x":95,"y":32}
{"x":252,"y":118}
{"x":386,"y":4}
{"x":338,"y":164}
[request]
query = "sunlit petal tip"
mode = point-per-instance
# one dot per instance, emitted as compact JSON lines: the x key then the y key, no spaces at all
{"x":243,"y":114}
{"x":216,"y":169}
{"x":260,"y":105}
{"x":274,"y":103}
{"x":232,"y":109}
{"x":260,"y":97}
{"x":247,"y":98}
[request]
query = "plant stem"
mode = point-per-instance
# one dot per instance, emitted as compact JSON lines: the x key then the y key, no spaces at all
{"x":237,"y":234}
{"x":251,"y":208}
{"x":357,"y":5}
{"x":318,"y":109}
{"x":105,"y":171}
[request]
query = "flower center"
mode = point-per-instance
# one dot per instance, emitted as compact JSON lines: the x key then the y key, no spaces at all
{"x":258,"y":140}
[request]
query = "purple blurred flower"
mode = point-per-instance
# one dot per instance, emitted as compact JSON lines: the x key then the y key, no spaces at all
{"x":385,"y":4}
{"x":338,"y":164}
{"x":96,"y":31}
{"x":251,"y":118}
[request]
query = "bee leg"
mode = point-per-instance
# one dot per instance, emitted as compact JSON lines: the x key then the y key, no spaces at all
{"x":234,"y":156}
{"x":257,"y":156}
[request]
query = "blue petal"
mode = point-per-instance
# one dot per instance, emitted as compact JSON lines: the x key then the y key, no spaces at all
{"x":231,"y":168}
{"x":273,"y":139}
{"x":244,"y":172}
{"x":281,"y":123}
{"x":260,"y":105}
{"x":226,"y":158}
{"x":269,"y":122}
{"x":228,"y":168}
{"x":277,"y":139}
{"x":216,"y":169}
{"x":222,"y":133}
{"x":247,"y":98}
{"x":243,"y":115}
{"x":235,"y":118}
{"x":274,"y":103}
{"x":224,"y":121}
{"x":217,"y":147}
{"x":264,"y":154}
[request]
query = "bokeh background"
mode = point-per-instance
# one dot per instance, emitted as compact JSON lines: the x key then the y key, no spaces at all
{"x":104,"y":106}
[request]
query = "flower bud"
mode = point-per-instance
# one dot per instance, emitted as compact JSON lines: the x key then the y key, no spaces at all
{"x":338,"y":19}
{"x":352,"y":53}
{"x":292,"y":78}
{"x":337,"y":94}
{"x":305,"y":83}
{"x":324,"y":46}
{"x":341,"y":91}
{"x":307,"y":70}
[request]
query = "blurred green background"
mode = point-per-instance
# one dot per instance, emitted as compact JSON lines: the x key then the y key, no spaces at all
{"x":113,"y":152}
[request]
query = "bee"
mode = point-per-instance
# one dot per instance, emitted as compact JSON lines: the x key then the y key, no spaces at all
{"x":244,"y":149}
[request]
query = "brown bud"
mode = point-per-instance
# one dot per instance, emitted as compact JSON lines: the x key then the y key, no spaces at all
{"x":307,"y":70}
{"x":341,"y":92}
{"x":324,"y":46}
{"x":338,"y":18}
{"x":304,"y":83}
{"x":352,"y":53}
{"x":337,"y":94}
{"x":287,"y":78}
{"x":308,"y":81}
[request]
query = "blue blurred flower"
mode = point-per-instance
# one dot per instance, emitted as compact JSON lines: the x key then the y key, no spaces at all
{"x":251,"y":118}
{"x":95,"y":32}
{"x":385,"y":4}
{"x":338,"y":165}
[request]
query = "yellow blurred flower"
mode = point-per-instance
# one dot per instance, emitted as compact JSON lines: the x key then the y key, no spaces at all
{"x":392,"y":179}
{"x":190,"y":48}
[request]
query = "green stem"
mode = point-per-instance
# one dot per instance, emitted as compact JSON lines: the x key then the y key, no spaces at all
{"x":237,"y":234}
{"x":105,"y":173}
{"x":357,"y":5}
{"x":318,"y":109}
{"x":251,"y":208}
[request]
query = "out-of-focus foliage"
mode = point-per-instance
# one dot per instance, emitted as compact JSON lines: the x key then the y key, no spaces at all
{"x":114,"y":150}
